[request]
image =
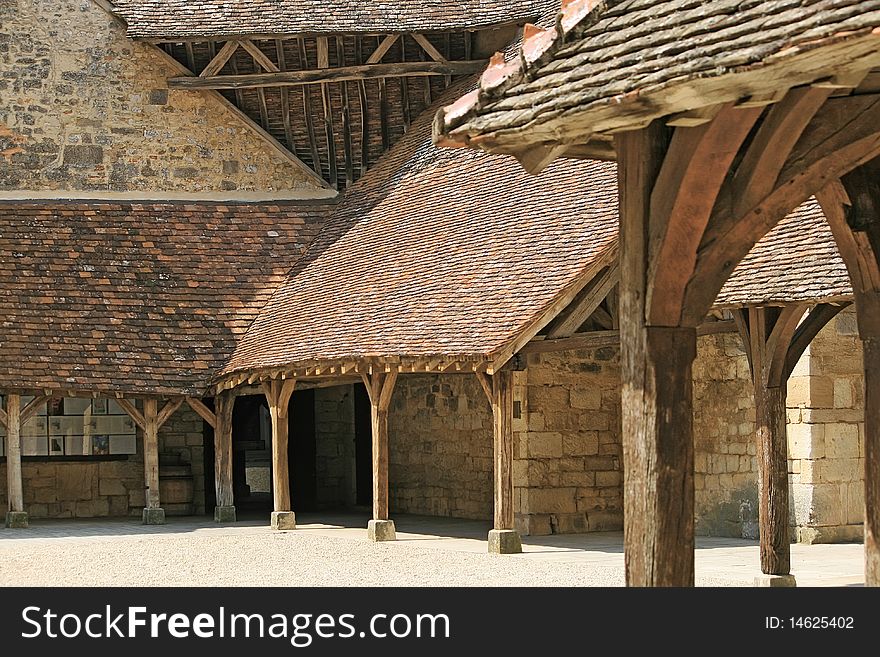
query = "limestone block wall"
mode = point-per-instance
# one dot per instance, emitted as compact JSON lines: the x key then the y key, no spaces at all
{"x":826,"y":440}
{"x":440,"y":447}
{"x":54,"y":488}
{"x":568,"y":468}
{"x":82,"y":107}
{"x":334,"y":461}
{"x":725,"y":467}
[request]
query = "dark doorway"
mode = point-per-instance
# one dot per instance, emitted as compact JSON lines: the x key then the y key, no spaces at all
{"x":302,"y":451}
{"x":251,"y":454}
{"x":363,"y":446}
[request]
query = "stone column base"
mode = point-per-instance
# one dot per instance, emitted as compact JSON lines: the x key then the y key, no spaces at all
{"x":381,"y":530}
{"x":283,"y":520}
{"x":17,"y":519}
{"x":784,"y":581}
{"x":154,"y":516}
{"x":224,"y":514}
{"x":504,"y":541}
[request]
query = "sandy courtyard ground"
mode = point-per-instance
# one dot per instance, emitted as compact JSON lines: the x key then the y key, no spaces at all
{"x":333,"y":551}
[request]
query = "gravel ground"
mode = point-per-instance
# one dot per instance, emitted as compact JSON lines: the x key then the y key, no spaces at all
{"x":271,"y":559}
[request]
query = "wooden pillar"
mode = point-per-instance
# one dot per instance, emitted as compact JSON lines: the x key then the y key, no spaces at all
{"x":223,"y":405}
{"x":151,"y":453}
{"x":852,"y":208}
{"x":774,"y":340}
{"x":657,"y":390}
{"x":150,"y":421}
{"x":16,"y":515}
{"x":278,"y":395}
{"x":503,"y":539}
{"x":871,"y":350}
{"x":380,"y":387}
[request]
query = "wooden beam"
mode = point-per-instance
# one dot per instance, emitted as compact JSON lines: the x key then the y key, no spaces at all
{"x":767,"y":152}
{"x":220,"y":59}
{"x":223,"y":405}
{"x":502,"y":414}
{"x":570,"y":320}
{"x":203,"y":411}
{"x":133,"y":412}
{"x":278,"y":396}
{"x":307,"y":109}
{"x":694,"y":117}
{"x":348,"y":149}
{"x":657,"y":385}
{"x":239,"y":114}
{"x":323,"y":76}
{"x":589,"y":340}
{"x":168,"y":410}
{"x":259,"y":56}
{"x":33,"y":406}
{"x":808,"y":329}
{"x":151,"y":452}
{"x":3,"y":418}
{"x":429,"y":48}
{"x":362,"y":105}
{"x":384,"y":47}
{"x":486,"y":384}
{"x":14,"y":490}
{"x":380,"y":388}
{"x":324,"y":64}
{"x":285,"y":98}
{"x":562,"y":301}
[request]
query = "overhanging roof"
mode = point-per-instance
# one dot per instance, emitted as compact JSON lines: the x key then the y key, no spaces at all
{"x":163,"y":19}
{"x":612,"y":66}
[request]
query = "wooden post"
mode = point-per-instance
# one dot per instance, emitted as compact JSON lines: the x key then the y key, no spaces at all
{"x":16,"y":516}
{"x":851,"y":208}
{"x":149,"y":422}
{"x":503,"y":539}
{"x":380,"y":388}
{"x":278,"y":395}
{"x":871,"y":350}
{"x":223,"y":405}
{"x":657,"y":389}
{"x":773,"y":345}
{"x":153,"y":513}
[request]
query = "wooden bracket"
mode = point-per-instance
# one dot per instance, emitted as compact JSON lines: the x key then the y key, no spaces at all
{"x":203,"y":411}
{"x":133,"y":412}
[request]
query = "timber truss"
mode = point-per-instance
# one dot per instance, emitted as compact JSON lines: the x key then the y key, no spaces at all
{"x":336,"y":103}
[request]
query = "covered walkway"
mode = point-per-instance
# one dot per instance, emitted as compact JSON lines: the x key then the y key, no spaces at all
{"x":329,"y":550}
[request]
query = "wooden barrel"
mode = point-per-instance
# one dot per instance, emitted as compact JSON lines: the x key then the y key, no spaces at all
{"x":176,"y":489}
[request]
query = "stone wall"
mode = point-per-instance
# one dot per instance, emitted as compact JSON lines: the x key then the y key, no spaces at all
{"x":440,"y":447}
{"x":725,"y":479}
{"x":568,"y":461}
{"x":826,"y":436}
{"x":86,"y":489}
{"x":82,"y":107}
{"x":334,"y":455}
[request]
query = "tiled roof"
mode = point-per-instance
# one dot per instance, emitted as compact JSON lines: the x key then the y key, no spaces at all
{"x":136,"y":297}
{"x":437,"y":252}
{"x":796,"y":261}
{"x":645,"y":57}
{"x":158,"y":19}
{"x":440,"y":252}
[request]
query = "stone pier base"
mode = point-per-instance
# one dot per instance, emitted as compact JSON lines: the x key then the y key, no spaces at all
{"x":17,"y":519}
{"x":783,"y":581}
{"x":283,"y":520}
{"x":381,"y":530}
{"x":504,"y":541}
{"x":224,"y":514}
{"x":154,"y":516}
